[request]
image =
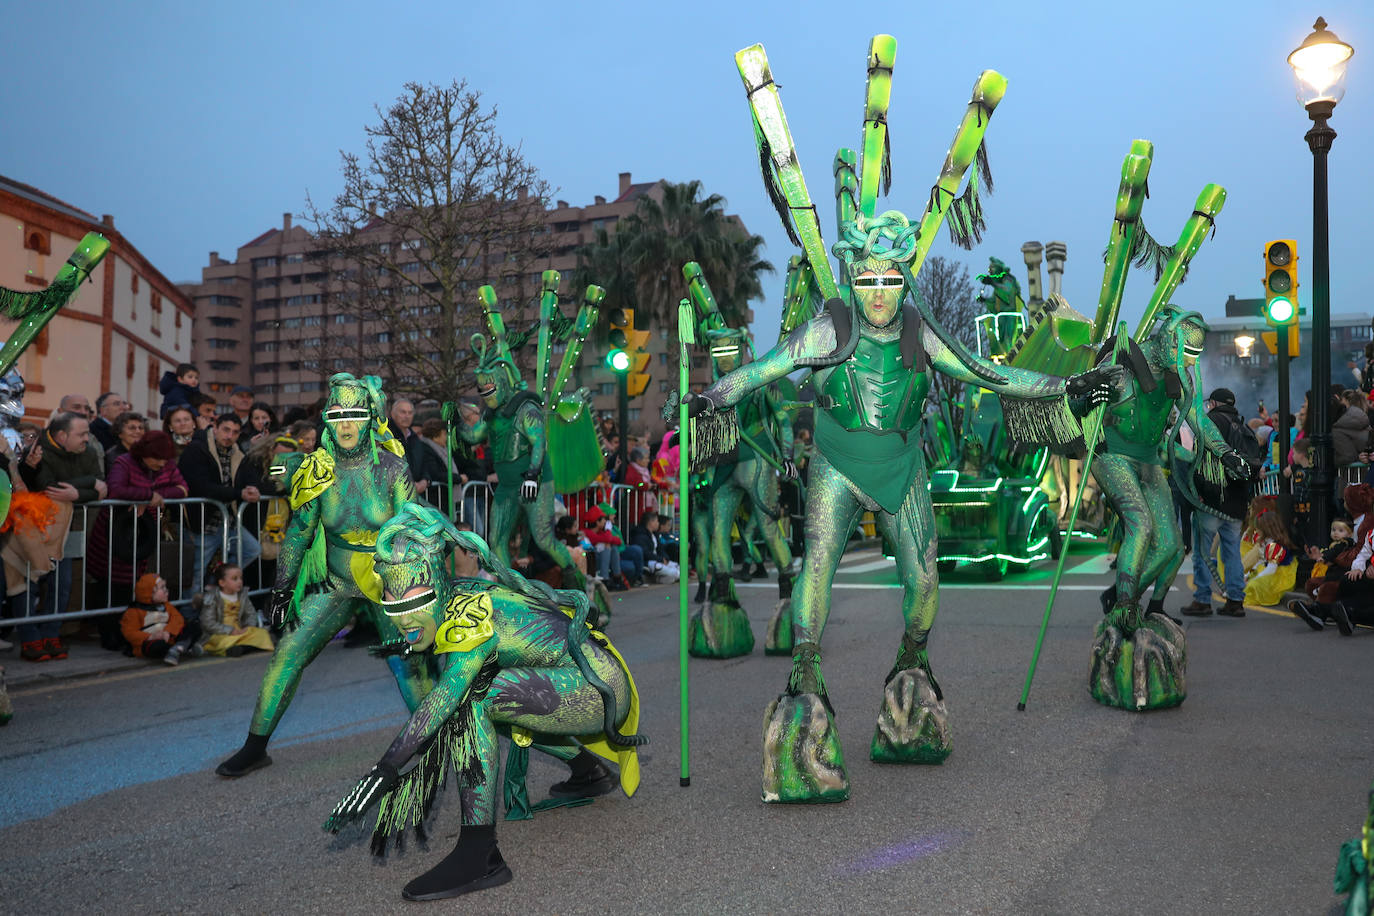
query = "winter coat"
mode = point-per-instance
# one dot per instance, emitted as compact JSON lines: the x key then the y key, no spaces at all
{"x":595,"y":532}
{"x":175,"y":393}
{"x":1233,"y":498}
{"x":647,"y":542}
{"x":129,"y":479}
{"x":209,"y":607}
{"x":103,"y":432}
{"x":131,"y":624}
{"x":1349,"y":435}
{"x":200,"y":467}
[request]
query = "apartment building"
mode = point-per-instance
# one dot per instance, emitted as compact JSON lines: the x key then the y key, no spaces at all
{"x":266,"y":319}
{"x":124,"y":328}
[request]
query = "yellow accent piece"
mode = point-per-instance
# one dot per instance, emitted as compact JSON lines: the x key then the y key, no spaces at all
{"x":361,"y":565}
{"x":360,"y":538}
{"x":387,"y":439}
{"x":627,"y":758}
{"x":521,"y":736}
{"x":313,"y":477}
{"x":467,"y":625}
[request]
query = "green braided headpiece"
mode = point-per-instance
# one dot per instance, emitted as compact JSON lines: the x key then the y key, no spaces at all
{"x":876,"y":243}
{"x":494,"y":361}
{"x":358,"y":399}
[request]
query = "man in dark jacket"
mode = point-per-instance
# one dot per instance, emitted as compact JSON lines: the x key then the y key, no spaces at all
{"x":1220,"y":517}
{"x":213,"y":468}
{"x":108,"y":406}
{"x":69,"y":471}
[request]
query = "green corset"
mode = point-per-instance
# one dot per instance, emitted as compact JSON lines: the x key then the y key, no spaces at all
{"x":1137,"y":424}
{"x":873,"y":391}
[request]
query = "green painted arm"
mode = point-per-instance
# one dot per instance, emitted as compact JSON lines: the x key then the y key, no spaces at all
{"x":530,"y":422}
{"x":1016,"y":383}
{"x":439,"y":704}
{"x":296,"y":540}
{"x":813,"y":339}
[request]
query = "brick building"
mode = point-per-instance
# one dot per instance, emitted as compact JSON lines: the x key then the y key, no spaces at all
{"x":265,"y":316}
{"x":121,"y":331}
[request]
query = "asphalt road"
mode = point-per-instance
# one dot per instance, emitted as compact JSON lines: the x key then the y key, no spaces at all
{"x":1236,"y":802}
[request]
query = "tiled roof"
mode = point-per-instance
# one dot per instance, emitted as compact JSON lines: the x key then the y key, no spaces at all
{"x":636,"y":191}
{"x":260,"y":239}
{"x":28,"y":192}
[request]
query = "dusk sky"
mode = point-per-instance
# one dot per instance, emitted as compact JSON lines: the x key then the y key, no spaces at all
{"x":198,"y":125}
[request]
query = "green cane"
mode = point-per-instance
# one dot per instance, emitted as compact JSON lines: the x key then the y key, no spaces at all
{"x":1094,"y":433}
{"x":447,"y":412}
{"x":686,"y":325}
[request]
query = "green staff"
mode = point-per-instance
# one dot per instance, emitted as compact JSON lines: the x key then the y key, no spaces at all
{"x":1093,"y":434}
{"x":686,"y":323}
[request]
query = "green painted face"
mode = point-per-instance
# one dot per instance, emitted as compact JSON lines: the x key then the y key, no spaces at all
{"x":348,"y":413}
{"x":494,"y":387}
{"x":879,"y":295}
{"x":411,"y":598}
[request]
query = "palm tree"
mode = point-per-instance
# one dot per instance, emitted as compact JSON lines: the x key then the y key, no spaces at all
{"x":641,"y":263}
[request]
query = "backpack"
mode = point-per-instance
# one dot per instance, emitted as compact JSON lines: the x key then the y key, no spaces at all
{"x":1242,"y":439}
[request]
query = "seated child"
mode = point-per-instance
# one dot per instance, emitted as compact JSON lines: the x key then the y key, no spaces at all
{"x":1323,"y":587}
{"x":597,"y":527}
{"x":227,"y":616}
{"x":1268,"y":584}
{"x":180,"y":388}
{"x":153,"y":627}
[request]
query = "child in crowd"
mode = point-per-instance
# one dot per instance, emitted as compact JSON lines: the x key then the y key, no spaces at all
{"x":1324,"y":585}
{"x":599,"y":531}
{"x":180,"y":388}
{"x":1302,"y":481}
{"x":154,"y":628}
{"x":228,"y":617}
{"x":565,"y":529}
{"x":1276,"y":576}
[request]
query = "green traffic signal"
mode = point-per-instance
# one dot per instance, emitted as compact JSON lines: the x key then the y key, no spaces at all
{"x":1279,"y":310}
{"x":618,"y":360}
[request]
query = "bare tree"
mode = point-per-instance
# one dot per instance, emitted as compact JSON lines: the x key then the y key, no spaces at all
{"x":437,"y":206}
{"x":948,"y":290}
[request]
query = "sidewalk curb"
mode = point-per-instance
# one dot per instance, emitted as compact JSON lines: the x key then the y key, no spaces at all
{"x":21,"y":673}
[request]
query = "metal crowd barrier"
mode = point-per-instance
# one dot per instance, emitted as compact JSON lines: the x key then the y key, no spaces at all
{"x":172,"y":559}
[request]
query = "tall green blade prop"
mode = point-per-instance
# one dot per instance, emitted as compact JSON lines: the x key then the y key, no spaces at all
{"x":548,"y":307}
{"x":782,"y":173}
{"x":1130,"y":197}
{"x":1208,"y":205}
{"x":686,"y":335}
{"x":586,"y":320}
{"x":988,"y":91}
{"x":33,"y":310}
{"x":1094,"y":434}
{"x":876,"y":168}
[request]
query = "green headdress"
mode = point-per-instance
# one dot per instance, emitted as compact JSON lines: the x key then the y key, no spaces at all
{"x":360,"y":400}
{"x":494,"y":361}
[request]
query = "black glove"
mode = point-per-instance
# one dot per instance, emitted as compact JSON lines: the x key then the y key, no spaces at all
{"x":368,"y":792}
{"x":1098,"y":386}
{"x":1236,"y":466}
{"x":529,"y":487}
{"x":698,"y":404}
{"x":278,"y":606}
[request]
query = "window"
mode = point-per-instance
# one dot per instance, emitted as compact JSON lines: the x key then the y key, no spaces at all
{"x":220,"y":343}
{"x":663,"y":384}
{"x":295,"y":258}
{"x":632,"y":413}
{"x":40,"y":240}
{"x":264,"y":262}
{"x":267,"y":283}
{"x":232,"y":301}
{"x":384,"y":337}
{"x":311,"y":342}
{"x":344,"y":319}
{"x":606,"y":388}
{"x":217,"y":321}
{"x":663,"y":358}
{"x":316,"y":385}
{"x":220,"y":365}
{"x":267,"y":346}
{"x":411,"y":267}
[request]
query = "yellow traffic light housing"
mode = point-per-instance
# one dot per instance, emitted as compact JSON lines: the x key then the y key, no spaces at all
{"x":1281,"y":283}
{"x":629,"y":352}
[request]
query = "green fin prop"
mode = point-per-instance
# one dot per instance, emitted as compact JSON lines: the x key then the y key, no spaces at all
{"x":33,"y":310}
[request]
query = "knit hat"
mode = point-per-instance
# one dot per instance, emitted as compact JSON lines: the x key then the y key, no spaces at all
{"x":1359,"y":499}
{"x":606,"y":509}
{"x":1223,"y":396}
{"x":143,"y":589}
{"x":155,"y":444}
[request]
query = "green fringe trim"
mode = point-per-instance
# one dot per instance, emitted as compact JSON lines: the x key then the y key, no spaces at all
{"x":714,"y":438}
{"x":453,"y":747}
{"x":1210,"y":467}
{"x":1146,"y":252}
{"x":773,"y":187}
{"x":1044,"y":421}
{"x":965,"y":215}
{"x":18,"y":306}
{"x":314,"y":571}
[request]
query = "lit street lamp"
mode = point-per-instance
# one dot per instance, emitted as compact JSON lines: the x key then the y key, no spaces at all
{"x":1319,"y":69}
{"x":1245,"y":344}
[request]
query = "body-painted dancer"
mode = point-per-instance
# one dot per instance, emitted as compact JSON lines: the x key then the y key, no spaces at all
{"x":340,"y":495}
{"x":518,"y":659}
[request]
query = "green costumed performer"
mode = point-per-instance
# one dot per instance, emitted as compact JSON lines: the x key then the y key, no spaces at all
{"x":870,"y":358}
{"x":340,"y":495}
{"x":1139,"y":655}
{"x":721,"y":628}
{"x":517,"y":435}
{"x":518,"y":659}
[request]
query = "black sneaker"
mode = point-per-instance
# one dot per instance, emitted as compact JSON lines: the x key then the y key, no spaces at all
{"x":1232,"y":608}
{"x":1304,"y":613}
{"x":1196,"y":609}
{"x":1342,"y":617}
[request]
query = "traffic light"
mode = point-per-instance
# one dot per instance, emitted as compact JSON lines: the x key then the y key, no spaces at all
{"x":628,"y":351}
{"x":1281,"y":283}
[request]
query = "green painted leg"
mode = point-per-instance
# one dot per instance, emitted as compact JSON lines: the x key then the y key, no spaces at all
{"x":1141,"y":668}
{"x":779,"y":640}
{"x":720,"y":628}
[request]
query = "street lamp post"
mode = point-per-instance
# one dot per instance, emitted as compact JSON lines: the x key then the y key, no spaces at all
{"x":1319,"y":68}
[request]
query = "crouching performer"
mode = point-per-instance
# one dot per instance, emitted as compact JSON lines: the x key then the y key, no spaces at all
{"x":518,"y":659}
